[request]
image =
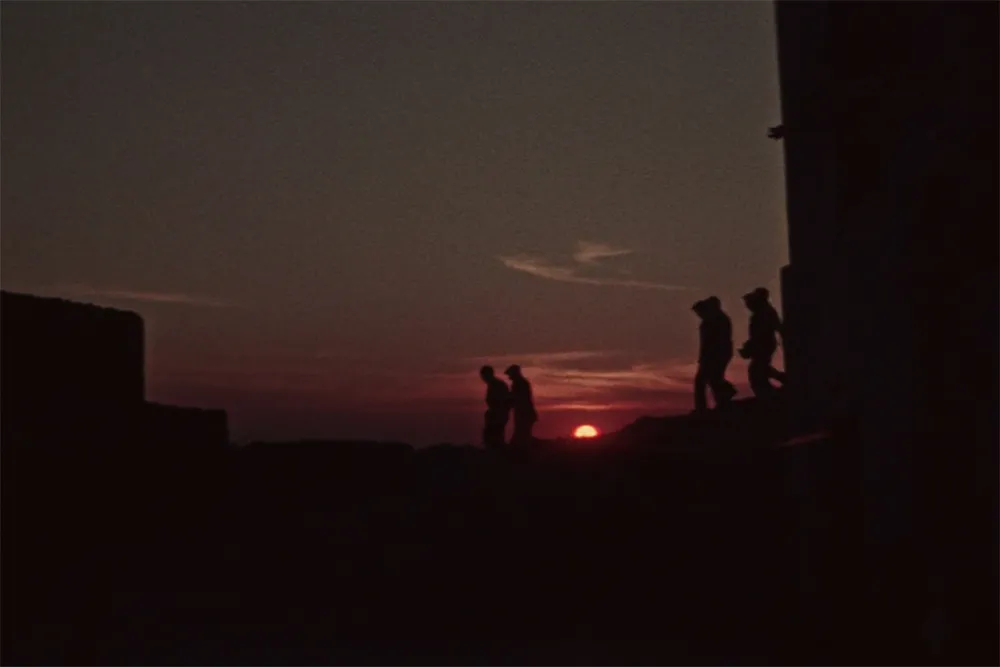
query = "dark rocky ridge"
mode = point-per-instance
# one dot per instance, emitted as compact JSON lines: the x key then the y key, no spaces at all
{"x":311,"y":553}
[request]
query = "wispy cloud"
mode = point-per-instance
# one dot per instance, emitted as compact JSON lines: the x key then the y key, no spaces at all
{"x":586,"y":256}
{"x":542,"y":358}
{"x":563,"y":383}
{"x":652,"y":386}
{"x":592,"y":380}
{"x":77,"y":290}
{"x":598,"y":406}
{"x":240,"y":373}
{"x":590,"y":253}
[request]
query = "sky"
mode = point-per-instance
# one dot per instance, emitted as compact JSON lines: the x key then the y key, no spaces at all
{"x":330,"y":214}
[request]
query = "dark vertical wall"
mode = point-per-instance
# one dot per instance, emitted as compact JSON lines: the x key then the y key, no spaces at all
{"x":955,"y":300}
{"x":184,"y":432}
{"x":72,"y":389}
{"x":891,"y":294}
{"x":805,"y":76}
{"x":63,"y":362}
{"x":83,"y":455}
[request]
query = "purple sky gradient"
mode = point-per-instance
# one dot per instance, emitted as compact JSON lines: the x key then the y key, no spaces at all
{"x":330,"y":214}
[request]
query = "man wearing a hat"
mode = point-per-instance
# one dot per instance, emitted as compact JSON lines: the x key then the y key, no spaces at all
{"x":763,"y":342}
{"x":525,"y":415}
{"x":714,"y":354}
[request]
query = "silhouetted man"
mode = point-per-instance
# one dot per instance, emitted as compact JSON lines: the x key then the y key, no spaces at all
{"x":497,"y":408}
{"x":760,"y":348}
{"x":714,"y":354}
{"x":523,"y":404}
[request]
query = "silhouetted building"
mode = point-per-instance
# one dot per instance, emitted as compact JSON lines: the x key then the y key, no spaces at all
{"x":66,"y":364}
{"x":890,"y":296}
{"x":184,"y":430}
{"x":73,"y":377}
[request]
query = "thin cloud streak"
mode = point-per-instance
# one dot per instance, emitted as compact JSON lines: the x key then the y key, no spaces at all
{"x":590,"y":253}
{"x":542,"y":358}
{"x":144,"y":297}
{"x":541,"y":268}
{"x":562,"y":384}
{"x":559,"y":382}
{"x":599,"y":407}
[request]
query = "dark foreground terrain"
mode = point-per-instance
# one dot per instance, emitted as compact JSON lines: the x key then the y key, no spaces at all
{"x":654,"y":548}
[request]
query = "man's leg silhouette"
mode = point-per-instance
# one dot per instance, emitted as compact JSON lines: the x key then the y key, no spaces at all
{"x":722,"y":390}
{"x":759,"y":375}
{"x":700,"y":383}
{"x":493,"y":432}
{"x":521,"y":434}
{"x":727,"y":387}
{"x":713,"y":375}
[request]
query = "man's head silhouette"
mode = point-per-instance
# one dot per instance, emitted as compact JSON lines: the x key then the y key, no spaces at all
{"x":486,"y":372}
{"x":756,"y":298}
{"x":513,"y":371}
{"x":707,"y":306}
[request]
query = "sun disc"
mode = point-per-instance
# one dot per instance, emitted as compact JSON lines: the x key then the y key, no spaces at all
{"x":585,"y":431}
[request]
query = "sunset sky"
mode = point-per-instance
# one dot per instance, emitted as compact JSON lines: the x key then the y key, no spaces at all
{"x":331,"y":214}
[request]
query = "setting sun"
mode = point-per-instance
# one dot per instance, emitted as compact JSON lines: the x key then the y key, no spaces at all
{"x":585,"y":431}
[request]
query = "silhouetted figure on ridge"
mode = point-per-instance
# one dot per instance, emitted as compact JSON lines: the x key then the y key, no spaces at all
{"x":523,"y":404}
{"x":714,"y":354}
{"x":497,"y":408}
{"x":763,"y":342}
